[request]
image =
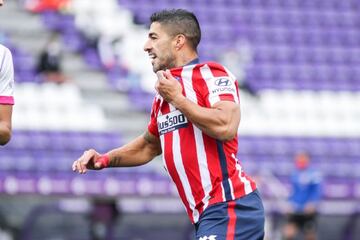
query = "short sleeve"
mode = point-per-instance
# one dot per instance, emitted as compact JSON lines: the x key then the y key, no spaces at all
{"x":152,"y":125}
{"x":220,"y":83}
{"x":6,"y":77}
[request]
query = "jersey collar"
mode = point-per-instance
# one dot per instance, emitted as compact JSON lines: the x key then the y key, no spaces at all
{"x":195,"y":61}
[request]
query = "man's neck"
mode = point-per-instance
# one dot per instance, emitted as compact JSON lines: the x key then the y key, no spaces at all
{"x":186,"y":58}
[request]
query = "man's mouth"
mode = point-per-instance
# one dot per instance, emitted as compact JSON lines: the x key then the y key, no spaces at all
{"x":152,"y":57}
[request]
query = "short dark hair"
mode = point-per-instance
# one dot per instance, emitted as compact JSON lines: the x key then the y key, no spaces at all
{"x":180,"y":21}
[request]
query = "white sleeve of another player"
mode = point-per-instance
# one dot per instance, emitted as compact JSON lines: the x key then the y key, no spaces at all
{"x":6,"y":73}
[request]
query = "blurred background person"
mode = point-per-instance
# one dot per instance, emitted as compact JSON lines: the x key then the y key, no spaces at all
{"x":49,"y":64}
{"x":38,"y":6}
{"x":304,"y":200}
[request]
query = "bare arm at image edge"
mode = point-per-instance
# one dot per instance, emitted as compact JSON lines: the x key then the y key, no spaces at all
{"x":6,"y":94}
{"x":5,"y":123}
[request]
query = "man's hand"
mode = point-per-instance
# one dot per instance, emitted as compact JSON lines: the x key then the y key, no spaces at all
{"x":90,"y":160}
{"x":169,"y":88}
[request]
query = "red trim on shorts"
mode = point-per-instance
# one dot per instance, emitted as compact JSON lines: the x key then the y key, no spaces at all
{"x":230,"y":233}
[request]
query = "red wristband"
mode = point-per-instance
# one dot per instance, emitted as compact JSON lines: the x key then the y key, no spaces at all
{"x":104,"y":160}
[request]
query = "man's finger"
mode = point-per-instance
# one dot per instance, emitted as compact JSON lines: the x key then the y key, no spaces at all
{"x":74,"y":166}
{"x":83,"y":167}
{"x":160,"y":74}
{"x":80,"y":160}
{"x":167,"y":74}
{"x":157,"y":86}
{"x":80,"y":164}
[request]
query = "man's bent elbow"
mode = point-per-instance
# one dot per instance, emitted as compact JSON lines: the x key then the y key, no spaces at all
{"x":225,"y":134}
{"x":227,"y":137}
{"x":5,"y":137}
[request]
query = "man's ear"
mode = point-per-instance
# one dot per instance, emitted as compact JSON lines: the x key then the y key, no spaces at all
{"x":180,"y":40}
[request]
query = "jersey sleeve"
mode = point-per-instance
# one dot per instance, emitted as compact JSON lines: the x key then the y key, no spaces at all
{"x":152,"y":125}
{"x":6,"y":77}
{"x":220,"y":83}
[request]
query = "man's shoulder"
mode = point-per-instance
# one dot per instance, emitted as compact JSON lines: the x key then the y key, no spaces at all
{"x":212,"y":64}
{"x":218,"y":69}
{"x":5,"y":53}
{"x":4,"y":49}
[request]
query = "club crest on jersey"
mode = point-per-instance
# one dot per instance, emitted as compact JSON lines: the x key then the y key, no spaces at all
{"x":171,"y":122}
{"x":222,"y":85}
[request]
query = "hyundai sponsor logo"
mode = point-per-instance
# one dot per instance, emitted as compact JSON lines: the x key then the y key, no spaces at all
{"x":222,"y":90}
{"x":223,"y":82}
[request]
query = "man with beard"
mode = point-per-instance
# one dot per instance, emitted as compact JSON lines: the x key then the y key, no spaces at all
{"x":194,"y":121}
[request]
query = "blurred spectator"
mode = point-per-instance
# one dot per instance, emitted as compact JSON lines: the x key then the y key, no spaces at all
{"x":108,"y":52}
{"x":49,"y":62}
{"x":108,"y":21}
{"x":103,"y":217}
{"x":111,"y":31}
{"x":37,"y":6}
{"x":304,"y":199}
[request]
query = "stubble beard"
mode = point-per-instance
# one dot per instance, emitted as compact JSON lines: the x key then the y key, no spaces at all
{"x":165,"y":63}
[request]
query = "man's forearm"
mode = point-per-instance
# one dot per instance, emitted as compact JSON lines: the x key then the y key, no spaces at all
{"x":5,"y":134}
{"x":135,"y":153}
{"x":5,"y":123}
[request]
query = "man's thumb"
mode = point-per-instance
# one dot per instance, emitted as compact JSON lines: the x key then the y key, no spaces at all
{"x":167,"y":74}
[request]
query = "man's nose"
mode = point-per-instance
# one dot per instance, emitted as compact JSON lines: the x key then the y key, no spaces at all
{"x":147,"y":46}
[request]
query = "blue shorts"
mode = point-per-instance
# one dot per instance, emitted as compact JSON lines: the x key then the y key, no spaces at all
{"x":240,"y":219}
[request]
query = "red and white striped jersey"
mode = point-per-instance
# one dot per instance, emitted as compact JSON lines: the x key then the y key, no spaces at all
{"x":6,"y":77}
{"x":205,"y":170}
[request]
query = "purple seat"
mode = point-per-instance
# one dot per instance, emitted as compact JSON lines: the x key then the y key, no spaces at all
{"x":20,"y":140}
{"x":142,"y":100}
{"x":92,"y":58}
{"x":7,"y":160}
{"x":52,"y":20}
{"x":338,"y":189}
{"x":104,"y":141}
{"x":74,"y":41}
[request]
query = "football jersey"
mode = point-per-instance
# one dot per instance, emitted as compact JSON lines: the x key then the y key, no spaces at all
{"x":205,"y":170}
{"x":6,"y":77}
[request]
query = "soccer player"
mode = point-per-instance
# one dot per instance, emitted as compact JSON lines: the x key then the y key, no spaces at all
{"x":6,"y":92}
{"x":194,"y":120}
